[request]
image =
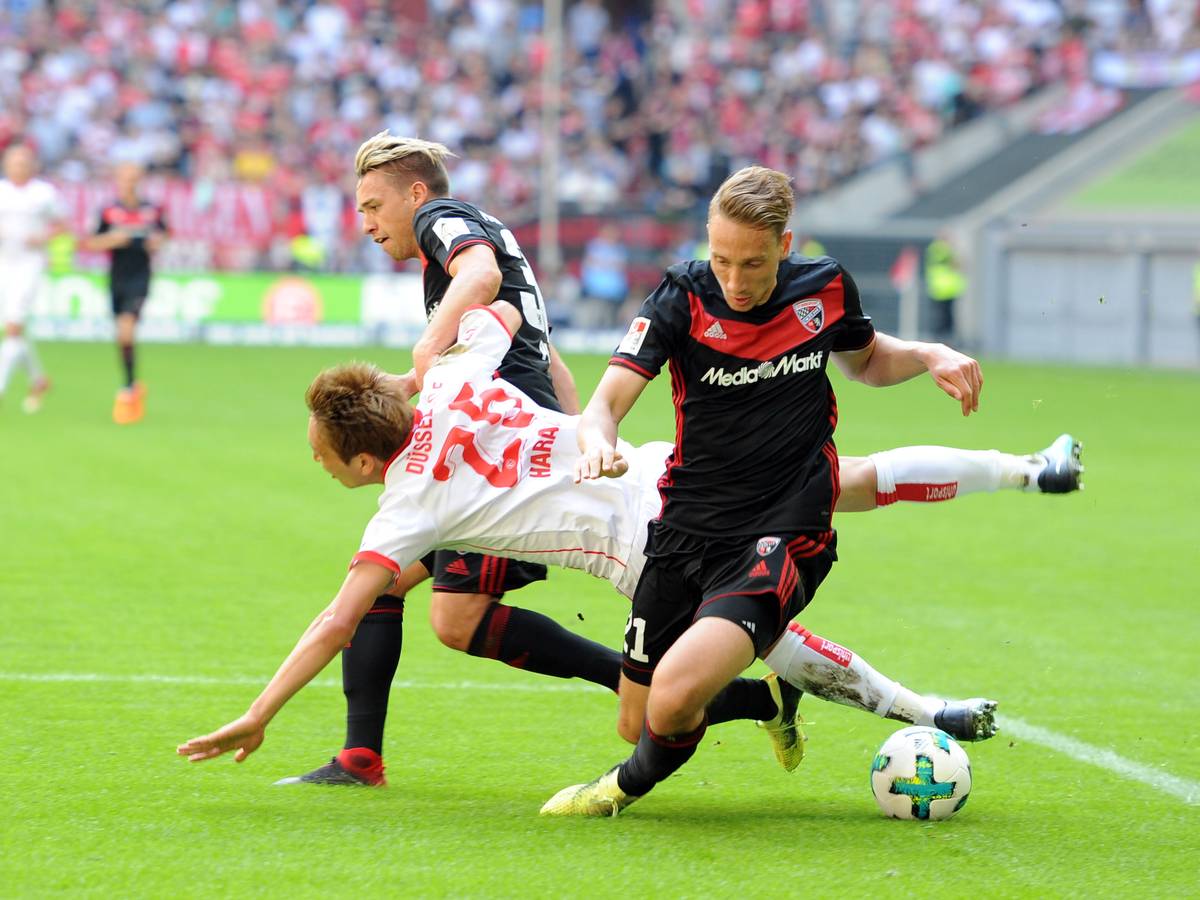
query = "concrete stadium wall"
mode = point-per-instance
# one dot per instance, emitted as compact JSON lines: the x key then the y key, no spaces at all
{"x":1087,"y":293}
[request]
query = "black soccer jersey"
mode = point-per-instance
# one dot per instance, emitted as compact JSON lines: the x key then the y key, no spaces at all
{"x":754,"y":410}
{"x":443,"y":228}
{"x":131,"y":263}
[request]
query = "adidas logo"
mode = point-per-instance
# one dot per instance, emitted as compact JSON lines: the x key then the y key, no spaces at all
{"x":715,"y":331}
{"x":458,"y":567}
{"x":749,"y":626}
{"x":760,"y":570}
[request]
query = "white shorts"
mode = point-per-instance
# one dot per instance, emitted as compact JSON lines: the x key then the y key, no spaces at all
{"x":19,"y":286}
{"x":649,"y":465}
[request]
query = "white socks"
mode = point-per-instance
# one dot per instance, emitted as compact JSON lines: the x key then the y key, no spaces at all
{"x":15,"y":351}
{"x":12,"y":352}
{"x":832,"y":672}
{"x":930,"y":474}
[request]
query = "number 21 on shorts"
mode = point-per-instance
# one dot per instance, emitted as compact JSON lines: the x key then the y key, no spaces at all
{"x":638,"y":627}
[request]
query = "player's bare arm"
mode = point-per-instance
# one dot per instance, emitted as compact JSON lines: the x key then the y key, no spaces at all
{"x":319,"y":644}
{"x":564,"y":384}
{"x":109,"y":240}
{"x":475,"y":280}
{"x":614,"y":396}
{"x":888,"y":360}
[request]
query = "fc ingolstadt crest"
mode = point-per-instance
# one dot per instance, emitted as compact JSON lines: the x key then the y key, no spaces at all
{"x":811,"y":313}
{"x":767,"y":545}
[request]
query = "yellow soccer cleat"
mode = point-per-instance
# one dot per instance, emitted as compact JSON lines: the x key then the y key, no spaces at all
{"x":601,"y":797}
{"x":787,"y":738}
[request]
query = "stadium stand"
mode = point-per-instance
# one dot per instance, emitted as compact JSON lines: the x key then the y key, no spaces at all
{"x":247,"y":113}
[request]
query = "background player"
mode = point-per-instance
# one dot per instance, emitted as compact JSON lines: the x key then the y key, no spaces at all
{"x":478,"y":465}
{"x":30,"y":214}
{"x":130,"y":230}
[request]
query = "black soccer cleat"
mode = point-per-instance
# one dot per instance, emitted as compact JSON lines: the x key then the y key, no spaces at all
{"x":1063,"y":470}
{"x":968,"y":720}
{"x":334,"y":772}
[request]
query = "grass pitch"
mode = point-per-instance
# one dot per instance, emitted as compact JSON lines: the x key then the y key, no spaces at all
{"x":153,"y":577}
{"x":1166,"y":177}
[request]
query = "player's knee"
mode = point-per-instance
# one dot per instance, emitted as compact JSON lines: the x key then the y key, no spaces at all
{"x":451,"y":631}
{"x":674,"y":706}
{"x":455,"y":617}
{"x":629,"y":727}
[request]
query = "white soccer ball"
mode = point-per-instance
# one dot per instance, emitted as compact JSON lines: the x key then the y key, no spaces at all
{"x":921,"y":773}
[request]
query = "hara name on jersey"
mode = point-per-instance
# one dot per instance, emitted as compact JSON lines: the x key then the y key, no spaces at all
{"x":487,"y":470}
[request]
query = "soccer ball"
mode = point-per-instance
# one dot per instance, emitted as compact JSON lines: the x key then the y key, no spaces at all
{"x":921,"y":773}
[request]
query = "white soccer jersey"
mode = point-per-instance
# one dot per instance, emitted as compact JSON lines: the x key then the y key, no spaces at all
{"x":487,"y":470}
{"x":26,"y":215}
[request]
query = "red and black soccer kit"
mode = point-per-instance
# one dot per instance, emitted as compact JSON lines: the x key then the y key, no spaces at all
{"x":746,"y":528}
{"x":444,"y":228}
{"x":129,"y":266}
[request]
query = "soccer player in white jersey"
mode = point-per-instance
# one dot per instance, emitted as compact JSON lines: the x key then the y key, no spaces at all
{"x":30,"y":214}
{"x":481,"y":468}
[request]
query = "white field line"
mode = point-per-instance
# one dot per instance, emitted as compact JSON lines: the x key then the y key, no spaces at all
{"x":260,"y":681}
{"x":1182,"y":788}
{"x":1186,"y":790}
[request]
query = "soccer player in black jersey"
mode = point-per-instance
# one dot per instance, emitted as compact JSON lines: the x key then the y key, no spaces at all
{"x":130,"y":230}
{"x":745,"y":534}
{"x":469,"y":258}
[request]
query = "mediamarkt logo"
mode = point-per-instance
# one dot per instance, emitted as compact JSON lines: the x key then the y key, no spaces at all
{"x":788,"y":365}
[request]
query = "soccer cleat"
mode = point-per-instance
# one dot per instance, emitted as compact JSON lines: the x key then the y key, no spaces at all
{"x":33,"y":400}
{"x":602,"y":797}
{"x":1062,"y":471}
{"x":784,"y":730}
{"x":128,"y":407}
{"x":357,"y":766}
{"x":968,"y":720}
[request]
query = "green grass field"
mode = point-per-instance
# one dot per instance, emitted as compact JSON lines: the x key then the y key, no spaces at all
{"x":1166,"y":177}
{"x":153,"y":577}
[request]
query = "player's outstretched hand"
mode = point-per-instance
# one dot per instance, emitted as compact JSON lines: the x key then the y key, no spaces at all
{"x":958,"y":375}
{"x":244,"y":735}
{"x":603,"y":461}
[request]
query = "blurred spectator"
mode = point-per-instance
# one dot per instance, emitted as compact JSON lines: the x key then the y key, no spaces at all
{"x":657,"y":109}
{"x":603,"y":279}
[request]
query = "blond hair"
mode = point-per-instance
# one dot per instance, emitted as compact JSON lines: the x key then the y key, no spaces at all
{"x":755,"y":196}
{"x":359,"y":411}
{"x":409,"y":158}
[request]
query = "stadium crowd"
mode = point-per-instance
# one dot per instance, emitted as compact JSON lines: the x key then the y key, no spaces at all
{"x":270,"y":98}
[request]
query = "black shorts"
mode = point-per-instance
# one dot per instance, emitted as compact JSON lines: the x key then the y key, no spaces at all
{"x":128,"y":295}
{"x":758,"y":583}
{"x":474,"y":573}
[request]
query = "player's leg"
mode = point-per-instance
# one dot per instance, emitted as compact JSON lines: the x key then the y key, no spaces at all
{"x":369,"y":663}
{"x":933,"y":474}
{"x":466,"y":614}
{"x":12,"y":352}
{"x":127,"y":301}
{"x":832,"y":672}
{"x":691,"y":652}
{"x":16,"y":351}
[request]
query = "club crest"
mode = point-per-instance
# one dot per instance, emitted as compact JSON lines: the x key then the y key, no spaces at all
{"x":811,"y":313}
{"x":767,"y":545}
